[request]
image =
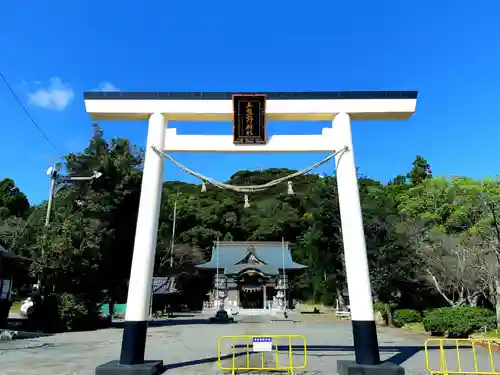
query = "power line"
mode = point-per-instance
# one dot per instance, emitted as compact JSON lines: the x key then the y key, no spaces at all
{"x":29,"y":115}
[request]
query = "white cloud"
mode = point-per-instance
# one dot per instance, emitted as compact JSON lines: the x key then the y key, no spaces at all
{"x":107,"y":86}
{"x":56,"y":96}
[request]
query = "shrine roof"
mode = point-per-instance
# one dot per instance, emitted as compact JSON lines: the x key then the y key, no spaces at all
{"x":270,"y":257}
{"x":234,"y":270}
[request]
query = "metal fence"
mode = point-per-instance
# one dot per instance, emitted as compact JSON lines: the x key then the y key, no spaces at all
{"x":461,"y":356}
{"x":282,"y":353}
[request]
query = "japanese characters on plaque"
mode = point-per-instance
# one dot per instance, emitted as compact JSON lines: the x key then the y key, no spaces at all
{"x":249,"y":119}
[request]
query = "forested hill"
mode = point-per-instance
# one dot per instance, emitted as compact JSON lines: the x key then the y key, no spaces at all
{"x":425,"y":233}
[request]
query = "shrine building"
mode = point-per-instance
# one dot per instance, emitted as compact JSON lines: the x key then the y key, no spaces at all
{"x":254,"y":272}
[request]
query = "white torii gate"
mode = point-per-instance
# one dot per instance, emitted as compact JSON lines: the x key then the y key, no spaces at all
{"x":163,"y":108}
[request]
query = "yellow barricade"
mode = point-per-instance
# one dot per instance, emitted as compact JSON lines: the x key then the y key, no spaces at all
{"x":243,"y":358}
{"x":461,"y":356}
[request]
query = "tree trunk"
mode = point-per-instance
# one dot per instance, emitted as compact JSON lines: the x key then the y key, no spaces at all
{"x":111,"y":304}
{"x":440,"y":291}
{"x":388,"y":313}
{"x":340,"y":300}
{"x":461,"y":302}
{"x":474,"y":300}
{"x":497,"y":301}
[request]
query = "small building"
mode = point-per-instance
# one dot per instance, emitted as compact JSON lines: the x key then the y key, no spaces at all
{"x":165,"y":285}
{"x":9,"y":263}
{"x":161,"y":289}
{"x":252,"y":270}
{"x":164,"y":294}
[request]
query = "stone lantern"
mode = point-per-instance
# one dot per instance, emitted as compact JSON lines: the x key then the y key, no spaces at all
{"x":281,"y":287}
{"x":220,"y":287}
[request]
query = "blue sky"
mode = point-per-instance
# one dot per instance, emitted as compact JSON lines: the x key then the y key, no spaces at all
{"x":53,"y":51}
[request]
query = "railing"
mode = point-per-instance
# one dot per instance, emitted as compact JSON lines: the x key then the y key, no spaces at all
{"x":342,"y":314}
{"x":461,"y":356}
{"x":246,"y":357}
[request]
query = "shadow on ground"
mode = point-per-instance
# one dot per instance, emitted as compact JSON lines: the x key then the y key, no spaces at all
{"x":173,"y":322}
{"x":401,"y":353}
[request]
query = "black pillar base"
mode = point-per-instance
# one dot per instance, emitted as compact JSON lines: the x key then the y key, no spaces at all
{"x":146,"y":368}
{"x":366,"y":350}
{"x":352,"y":368}
{"x":133,"y":342}
{"x":132,"y":355}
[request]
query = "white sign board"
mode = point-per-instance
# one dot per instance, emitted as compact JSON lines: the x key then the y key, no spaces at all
{"x":262,"y":344}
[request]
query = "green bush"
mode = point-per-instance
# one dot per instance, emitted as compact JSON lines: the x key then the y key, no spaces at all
{"x":379,"y":306}
{"x":66,"y":312}
{"x":427,"y":311}
{"x":459,"y":321}
{"x":72,"y":312}
{"x":406,"y":316}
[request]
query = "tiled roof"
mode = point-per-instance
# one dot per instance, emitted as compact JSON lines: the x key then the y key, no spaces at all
{"x":164,"y":285}
{"x":271,"y":253}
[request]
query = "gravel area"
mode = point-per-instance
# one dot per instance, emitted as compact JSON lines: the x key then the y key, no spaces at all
{"x":189,"y":345}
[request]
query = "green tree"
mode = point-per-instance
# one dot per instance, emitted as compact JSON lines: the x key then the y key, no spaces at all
{"x":12,"y":201}
{"x":424,"y":235}
{"x":391,"y":260}
{"x":320,"y":245}
{"x":109,"y":204}
{"x":421,"y":171}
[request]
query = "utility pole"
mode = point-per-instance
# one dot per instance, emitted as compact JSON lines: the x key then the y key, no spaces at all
{"x":53,"y":178}
{"x":56,"y":178}
{"x":172,"y":242}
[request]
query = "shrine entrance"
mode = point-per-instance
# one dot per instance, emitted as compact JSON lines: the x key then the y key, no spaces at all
{"x":249,"y":113}
{"x":251,"y":297}
{"x":251,"y":288}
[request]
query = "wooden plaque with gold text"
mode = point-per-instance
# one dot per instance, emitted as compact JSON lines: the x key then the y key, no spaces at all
{"x":249,"y":119}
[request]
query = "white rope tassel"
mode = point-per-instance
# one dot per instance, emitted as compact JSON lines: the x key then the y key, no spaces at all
{"x":247,"y":203}
{"x":290,"y":188}
{"x":203,"y":186}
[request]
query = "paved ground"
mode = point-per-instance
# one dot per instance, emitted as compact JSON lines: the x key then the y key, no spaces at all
{"x":190,"y":346}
